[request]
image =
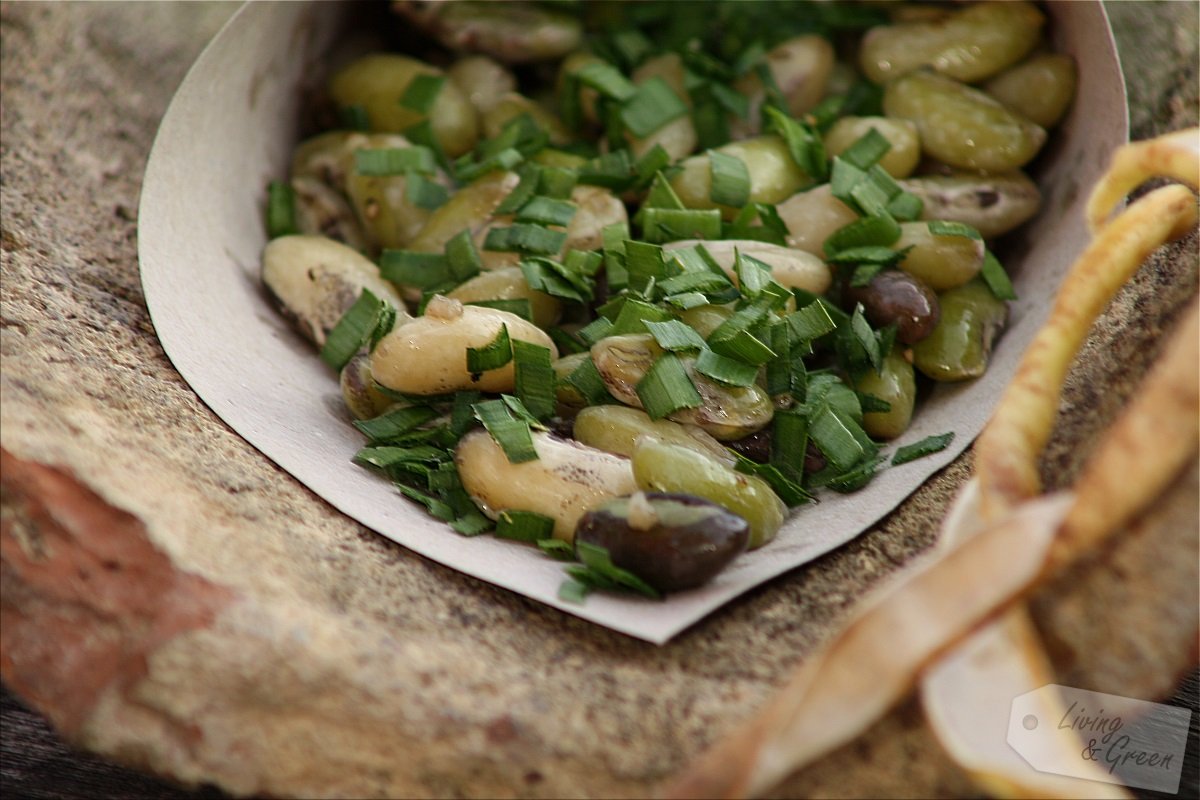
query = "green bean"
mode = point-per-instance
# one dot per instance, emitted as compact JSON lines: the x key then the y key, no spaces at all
{"x":968,"y":45}
{"x":961,"y":343}
{"x":961,"y":126}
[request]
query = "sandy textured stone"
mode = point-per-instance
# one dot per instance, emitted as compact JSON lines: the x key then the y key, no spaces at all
{"x":328,"y":661}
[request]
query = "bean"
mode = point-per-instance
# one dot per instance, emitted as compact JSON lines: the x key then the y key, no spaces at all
{"x":940,"y":262}
{"x":588,"y":97}
{"x":960,"y":344}
{"x":677,"y":137}
{"x":961,"y":126}
{"x":564,"y":481}
{"x":726,"y":412}
{"x":774,"y":176}
{"x":377,"y":82}
{"x":662,"y":467}
{"x":323,"y":211}
{"x":469,"y":208}
{"x":992,"y":204}
{"x":597,"y":208}
{"x":671,"y":541}
{"x":388,"y":216}
{"x":513,"y":32}
{"x":616,"y":429}
{"x":899,"y":162}
{"x":790,"y":268}
{"x":967,"y":45}
{"x":428,"y":355}
{"x":800,"y":67}
{"x":756,"y":446}
{"x":1040,"y":88}
{"x":896,"y":385}
{"x":509,"y":106}
{"x":361,"y":395}
{"x":705,"y":319}
{"x":508,"y":283}
{"x":894,"y":297}
{"x":569,"y":399}
{"x":315,"y":280}
{"x":812,"y":216}
{"x":483,"y":80}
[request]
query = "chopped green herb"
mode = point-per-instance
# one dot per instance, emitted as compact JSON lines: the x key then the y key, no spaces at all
{"x":493,"y":355}
{"x":357,"y":327}
{"x":524,"y":526}
{"x":395,"y":161}
{"x":421,"y":93}
{"x":281,"y":210}
{"x":652,"y":106}
{"x":666,"y":388}
{"x":730,"y":179}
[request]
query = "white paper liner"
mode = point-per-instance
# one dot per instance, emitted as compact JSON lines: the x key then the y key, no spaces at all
{"x":230,"y":130}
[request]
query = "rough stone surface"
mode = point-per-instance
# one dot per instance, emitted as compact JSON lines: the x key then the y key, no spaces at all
{"x":312,"y":657}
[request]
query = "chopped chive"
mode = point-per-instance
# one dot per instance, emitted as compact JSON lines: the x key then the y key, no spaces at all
{"x":573,"y":591}
{"x":838,"y":437}
{"x":471,"y":524}
{"x":530,"y":175}
{"x":586,"y":379}
{"x":864,"y":274}
{"x":605,"y":79}
{"x":524,"y":526}
{"x":557,"y":182}
{"x":419,"y":270}
{"x":503,"y":160}
{"x":614,"y":237}
{"x":387,"y":427}
{"x":710,"y":120}
{"x":652,"y":106}
{"x":731,"y":100}
{"x":729,"y":371}
{"x":518,"y":306}
{"x":674,"y":335}
{"x":598,"y":567}
{"x":422,"y":134}
{"x":857,"y":477}
{"x":884,"y":256}
{"x":996,"y":278}
{"x":729,"y":178}
{"x":355,"y":329}
{"x":704,"y":282}
{"x":511,"y":433}
{"x":686,"y":300}
{"x":652,"y":161}
{"x":421,"y":93}
{"x":424,"y":193}
{"x":436,"y":507}
{"x":462,"y":258}
{"x":281,"y":209}
{"x":547,"y":211}
{"x":595,"y":330}
{"x":905,"y":207}
{"x":557,"y":279}
{"x":493,"y":355}
{"x":395,"y":160}
{"x":673,"y":224}
{"x":525,"y":238}
{"x":354,"y":118}
{"x":557,"y":549}
{"x":635,"y":314}
{"x":534,"y":378}
{"x":462,"y":415}
{"x":666,"y":388}
{"x":789,"y":442}
{"x":804,"y":143}
{"x":866,"y":151}
{"x":940,"y":227}
{"x":753,"y":275}
{"x":644,"y":261}
{"x":871,"y":404}
{"x":388,"y":456}
{"x":566,"y":342}
{"x":612,"y":171}
{"x":661,"y":195}
{"x":868,"y":231}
